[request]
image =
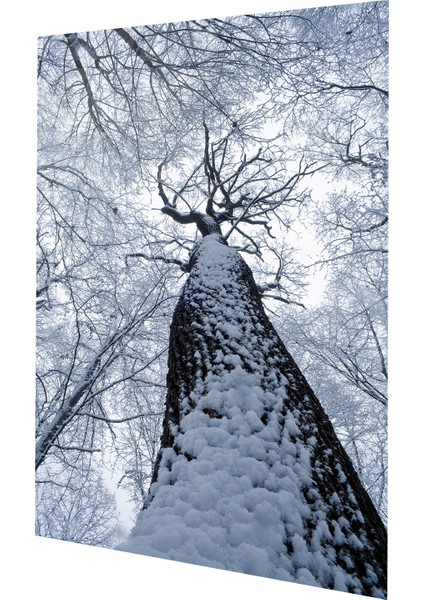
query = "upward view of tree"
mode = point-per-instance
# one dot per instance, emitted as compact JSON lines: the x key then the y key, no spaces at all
{"x":165,"y":146}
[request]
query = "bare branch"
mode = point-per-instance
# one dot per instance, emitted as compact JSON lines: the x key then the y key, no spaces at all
{"x":124,"y":419}
{"x":183,"y":265}
{"x":363,"y":87}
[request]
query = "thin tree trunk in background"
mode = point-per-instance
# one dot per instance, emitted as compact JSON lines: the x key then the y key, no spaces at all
{"x":251,"y":476}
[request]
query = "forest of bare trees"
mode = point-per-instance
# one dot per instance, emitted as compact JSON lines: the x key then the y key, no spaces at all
{"x":267,"y":129}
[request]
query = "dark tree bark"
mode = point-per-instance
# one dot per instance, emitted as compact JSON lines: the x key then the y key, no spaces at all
{"x":230,"y":373}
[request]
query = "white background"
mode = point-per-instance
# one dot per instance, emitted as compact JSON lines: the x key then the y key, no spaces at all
{"x":35,"y":568}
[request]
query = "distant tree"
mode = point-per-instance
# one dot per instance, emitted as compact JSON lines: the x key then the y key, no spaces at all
{"x":64,"y":513}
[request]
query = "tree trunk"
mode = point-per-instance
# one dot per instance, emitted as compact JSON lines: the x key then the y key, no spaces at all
{"x":251,"y":476}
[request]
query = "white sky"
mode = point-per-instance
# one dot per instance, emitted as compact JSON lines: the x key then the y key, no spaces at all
{"x":37,"y":567}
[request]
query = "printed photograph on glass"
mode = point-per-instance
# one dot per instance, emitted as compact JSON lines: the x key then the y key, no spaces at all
{"x":211,"y":354}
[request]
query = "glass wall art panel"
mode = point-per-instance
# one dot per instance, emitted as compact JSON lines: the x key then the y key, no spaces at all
{"x":211,"y":354}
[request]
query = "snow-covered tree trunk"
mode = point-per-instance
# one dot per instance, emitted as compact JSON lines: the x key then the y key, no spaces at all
{"x":251,"y":476}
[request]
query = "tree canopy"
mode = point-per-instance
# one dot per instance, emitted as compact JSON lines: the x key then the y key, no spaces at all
{"x":253,"y":125}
